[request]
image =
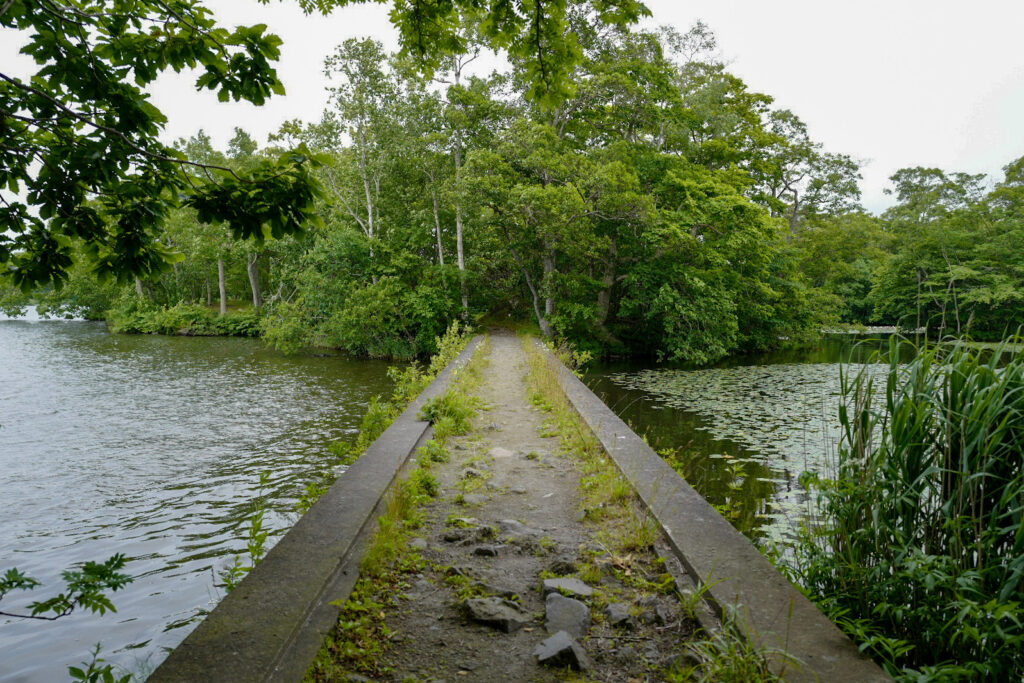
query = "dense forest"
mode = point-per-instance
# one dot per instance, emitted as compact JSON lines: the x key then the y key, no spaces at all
{"x":662,"y":208}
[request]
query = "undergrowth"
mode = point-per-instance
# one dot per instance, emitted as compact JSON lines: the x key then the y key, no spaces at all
{"x":134,"y":315}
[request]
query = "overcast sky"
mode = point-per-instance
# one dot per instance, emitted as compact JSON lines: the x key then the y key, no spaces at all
{"x":894,"y":83}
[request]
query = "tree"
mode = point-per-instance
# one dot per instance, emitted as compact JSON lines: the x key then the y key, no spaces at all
{"x":80,"y":140}
{"x":534,"y":33}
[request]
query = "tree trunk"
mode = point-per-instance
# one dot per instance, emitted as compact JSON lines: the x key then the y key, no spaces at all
{"x":138,"y":287}
{"x":222,"y":286}
{"x":545,"y":326}
{"x":462,"y":258}
{"x":437,"y":227}
{"x":549,"y":297}
{"x":604,"y":297}
{"x":253,"y":266}
{"x":209,"y":293}
{"x":458,"y":208}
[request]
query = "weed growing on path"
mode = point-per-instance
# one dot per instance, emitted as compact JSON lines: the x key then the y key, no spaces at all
{"x":361,"y":637}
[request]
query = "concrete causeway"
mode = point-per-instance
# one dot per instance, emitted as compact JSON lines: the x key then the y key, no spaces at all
{"x":522,"y":545}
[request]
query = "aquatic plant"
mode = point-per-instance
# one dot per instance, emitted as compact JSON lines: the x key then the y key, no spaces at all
{"x":919,"y":552}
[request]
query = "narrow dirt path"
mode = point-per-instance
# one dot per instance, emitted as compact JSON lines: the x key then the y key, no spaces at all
{"x":508,"y":516}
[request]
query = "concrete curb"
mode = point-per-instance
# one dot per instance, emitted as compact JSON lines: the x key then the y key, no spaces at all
{"x":772,"y":612}
{"x":272,"y":625}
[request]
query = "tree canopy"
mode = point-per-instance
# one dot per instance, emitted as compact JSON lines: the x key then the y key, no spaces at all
{"x":84,"y":174}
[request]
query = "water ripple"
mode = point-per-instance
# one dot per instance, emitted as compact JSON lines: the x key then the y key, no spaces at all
{"x":153,"y":447}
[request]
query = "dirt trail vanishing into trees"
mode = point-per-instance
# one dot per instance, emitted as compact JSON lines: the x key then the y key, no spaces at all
{"x":509,"y":515}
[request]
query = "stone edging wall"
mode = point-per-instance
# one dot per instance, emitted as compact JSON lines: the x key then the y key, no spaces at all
{"x":771,"y":611}
{"x":272,"y":625}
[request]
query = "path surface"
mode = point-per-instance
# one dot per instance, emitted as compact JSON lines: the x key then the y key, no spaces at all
{"x":528,"y":495}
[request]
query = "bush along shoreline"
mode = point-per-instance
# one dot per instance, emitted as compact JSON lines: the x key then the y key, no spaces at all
{"x":134,"y":315}
{"x":918,"y":553}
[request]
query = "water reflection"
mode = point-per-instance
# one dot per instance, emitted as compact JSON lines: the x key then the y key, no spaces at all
{"x":153,"y":447}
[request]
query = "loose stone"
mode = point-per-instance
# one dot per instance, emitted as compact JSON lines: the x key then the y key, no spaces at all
{"x":617,"y":613}
{"x":566,"y":614}
{"x":562,"y":567}
{"x":501,"y":614}
{"x":488,"y":550}
{"x":560,"y":650}
{"x":499,"y":452}
{"x":418,"y":544}
{"x":568,"y":585}
{"x":472,"y":473}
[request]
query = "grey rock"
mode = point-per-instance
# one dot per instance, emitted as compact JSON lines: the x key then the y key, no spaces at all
{"x":356,"y":678}
{"x":516,"y":529}
{"x":474,"y":499}
{"x":418,"y":544}
{"x":458,"y":535}
{"x":567,"y":585}
{"x":647,"y":617}
{"x":566,"y":614}
{"x":518,"y":490}
{"x":562,"y":567}
{"x":502,"y":614}
{"x":617,"y":614}
{"x":469,"y":535}
{"x":499,"y":452}
{"x":560,"y":651}
{"x":647,"y":601}
{"x":664,"y":614}
{"x":488,"y":550}
{"x":491,"y":589}
{"x":472,"y":473}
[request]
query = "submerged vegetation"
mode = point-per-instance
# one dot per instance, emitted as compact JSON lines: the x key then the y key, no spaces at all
{"x":919,"y":551}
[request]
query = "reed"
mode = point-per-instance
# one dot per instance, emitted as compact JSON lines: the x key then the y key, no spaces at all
{"x":919,"y":554}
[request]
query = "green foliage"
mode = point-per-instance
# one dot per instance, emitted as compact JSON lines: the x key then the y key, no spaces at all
{"x":453,"y":409}
{"x":97,"y":181}
{"x":409,"y":383}
{"x":134,"y":315}
{"x":727,"y":655}
{"x":534,"y":33}
{"x":434,"y":451}
{"x":425,"y":482}
{"x":919,"y":555}
{"x":256,"y":540}
{"x":95,"y":673}
{"x":85,"y":587}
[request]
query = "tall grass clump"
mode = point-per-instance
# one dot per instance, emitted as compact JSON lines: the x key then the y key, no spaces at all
{"x":919,"y":554}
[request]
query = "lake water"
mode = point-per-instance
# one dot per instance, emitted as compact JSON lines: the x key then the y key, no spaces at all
{"x":152,"y":447}
{"x":746,"y":429}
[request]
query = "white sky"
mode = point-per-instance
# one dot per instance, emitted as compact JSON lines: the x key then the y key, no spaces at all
{"x":894,"y":83}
